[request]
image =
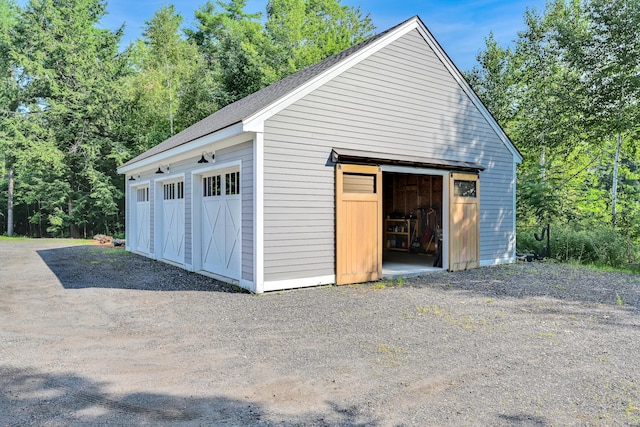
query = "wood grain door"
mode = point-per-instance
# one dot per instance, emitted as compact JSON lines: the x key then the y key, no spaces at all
{"x":464,"y":224}
{"x":358,"y":223}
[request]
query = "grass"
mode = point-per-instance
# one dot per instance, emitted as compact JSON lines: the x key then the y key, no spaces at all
{"x":391,"y":355}
{"x":4,"y":238}
{"x":460,"y":320}
{"x":609,"y":269}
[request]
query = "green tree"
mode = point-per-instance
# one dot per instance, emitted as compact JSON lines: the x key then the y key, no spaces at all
{"x":68,"y":73}
{"x":170,"y":86}
{"x":603,"y":44}
{"x":8,"y":106}
{"x":235,"y":47}
{"x":567,"y":96}
{"x":304,"y":32}
{"x":247,"y":55}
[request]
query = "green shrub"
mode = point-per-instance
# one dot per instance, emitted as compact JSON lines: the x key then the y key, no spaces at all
{"x":598,"y":245}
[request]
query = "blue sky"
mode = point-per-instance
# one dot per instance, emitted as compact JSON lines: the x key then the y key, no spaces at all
{"x":459,"y":26}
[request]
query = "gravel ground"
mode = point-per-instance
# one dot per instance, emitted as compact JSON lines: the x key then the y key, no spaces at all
{"x":93,"y":335}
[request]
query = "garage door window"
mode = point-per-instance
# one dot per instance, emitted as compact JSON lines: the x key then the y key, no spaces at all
{"x":232,"y":181}
{"x":464,"y":188}
{"x":142,"y":194}
{"x":173,"y":190}
{"x":211,"y":186}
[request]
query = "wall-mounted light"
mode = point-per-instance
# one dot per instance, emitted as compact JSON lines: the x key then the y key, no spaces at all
{"x":203,"y":158}
{"x":131,"y":178}
{"x":160,"y":169}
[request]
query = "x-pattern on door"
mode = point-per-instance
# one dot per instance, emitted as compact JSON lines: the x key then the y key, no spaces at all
{"x":173,"y":221}
{"x":221,"y":220}
{"x":142,"y":220}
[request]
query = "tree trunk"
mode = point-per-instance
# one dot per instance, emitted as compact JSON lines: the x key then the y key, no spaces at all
{"x":168,"y":75}
{"x":74,"y":230}
{"x":10,"y":203}
{"x":614,"y":184}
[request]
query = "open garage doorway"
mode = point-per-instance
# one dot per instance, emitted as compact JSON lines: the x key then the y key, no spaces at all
{"x":412,"y":223}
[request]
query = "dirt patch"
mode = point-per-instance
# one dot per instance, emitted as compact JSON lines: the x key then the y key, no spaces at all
{"x":95,"y":335}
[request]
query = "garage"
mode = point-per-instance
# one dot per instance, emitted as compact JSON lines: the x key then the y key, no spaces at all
{"x":365,"y":165}
{"x":221,"y":245}
{"x":142,"y":220}
{"x":172,"y":220}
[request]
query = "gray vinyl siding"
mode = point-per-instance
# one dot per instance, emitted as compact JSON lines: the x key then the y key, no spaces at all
{"x":242,"y":152}
{"x":401,"y":100}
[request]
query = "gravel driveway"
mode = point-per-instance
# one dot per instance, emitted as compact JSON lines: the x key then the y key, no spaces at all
{"x":93,"y":335}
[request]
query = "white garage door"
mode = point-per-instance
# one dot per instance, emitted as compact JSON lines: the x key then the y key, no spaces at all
{"x":173,"y":221}
{"x":221,"y":216}
{"x":142,"y":220}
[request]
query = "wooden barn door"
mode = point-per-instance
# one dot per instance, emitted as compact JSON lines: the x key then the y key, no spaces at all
{"x":358,"y":223}
{"x":464,"y":224}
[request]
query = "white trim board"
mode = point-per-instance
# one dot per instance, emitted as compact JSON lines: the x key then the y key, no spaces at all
{"x":497,"y":261}
{"x":258,"y":213}
{"x":224,"y":138}
{"x":279,"y":285}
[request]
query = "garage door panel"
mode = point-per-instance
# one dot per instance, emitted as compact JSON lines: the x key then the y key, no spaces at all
{"x":173,"y":230}
{"x":142,"y":227}
{"x":222,"y":225}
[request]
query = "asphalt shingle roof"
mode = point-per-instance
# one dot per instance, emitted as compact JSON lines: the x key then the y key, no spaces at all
{"x":251,"y":104}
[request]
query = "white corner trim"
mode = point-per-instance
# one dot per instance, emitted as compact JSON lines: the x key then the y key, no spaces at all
{"x":514,"y":236}
{"x":464,"y":85}
{"x":255,"y":122}
{"x":278,"y":285}
{"x":258,"y":212}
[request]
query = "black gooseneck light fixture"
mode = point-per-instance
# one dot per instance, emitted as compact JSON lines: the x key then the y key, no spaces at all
{"x":203,"y":157}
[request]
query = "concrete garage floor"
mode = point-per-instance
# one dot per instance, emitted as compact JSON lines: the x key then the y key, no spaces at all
{"x":401,"y":264}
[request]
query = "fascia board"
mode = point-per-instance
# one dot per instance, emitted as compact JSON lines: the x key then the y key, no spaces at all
{"x":255,"y":122}
{"x":185,"y":150}
{"x":462,"y":82}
